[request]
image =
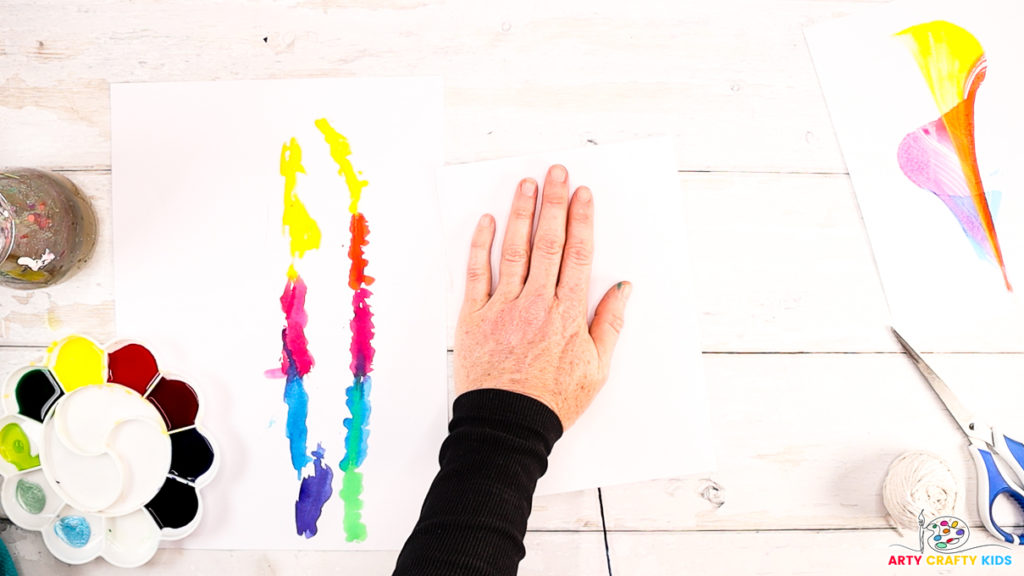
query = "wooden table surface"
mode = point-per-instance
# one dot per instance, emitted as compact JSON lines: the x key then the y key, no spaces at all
{"x":810,"y":397}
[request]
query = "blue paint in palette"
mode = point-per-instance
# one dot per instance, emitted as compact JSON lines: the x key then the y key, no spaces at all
{"x":73,"y":530}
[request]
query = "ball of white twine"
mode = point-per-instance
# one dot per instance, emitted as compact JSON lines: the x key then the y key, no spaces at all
{"x":916,"y":482}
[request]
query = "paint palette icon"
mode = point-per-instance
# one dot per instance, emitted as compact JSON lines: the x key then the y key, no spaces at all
{"x":102,"y":452}
{"x":947,"y":533}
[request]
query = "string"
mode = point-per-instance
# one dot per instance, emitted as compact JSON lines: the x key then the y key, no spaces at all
{"x":604,"y":530}
{"x":918,"y":482}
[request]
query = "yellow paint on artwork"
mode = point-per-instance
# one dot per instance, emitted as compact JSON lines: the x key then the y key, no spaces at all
{"x":340,"y":151}
{"x":946,"y":54}
{"x":301,"y":228}
{"x":77,"y":361}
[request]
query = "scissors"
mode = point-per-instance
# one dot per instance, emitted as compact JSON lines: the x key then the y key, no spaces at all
{"x":991,"y":450}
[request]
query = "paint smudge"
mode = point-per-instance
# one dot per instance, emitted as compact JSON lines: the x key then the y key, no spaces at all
{"x":30,"y":496}
{"x":941,"y":156}
{"x":358,"y":394}
{"x":314,"y":492}
{"x":73,"y":531}
{"x":340,"y":151}
{"x":16,"y":448}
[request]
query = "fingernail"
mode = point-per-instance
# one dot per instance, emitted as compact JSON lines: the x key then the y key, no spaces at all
{"x":625,"y":289}
{"x":584,"y":194}
{"x":558,"y":173}
{"x":528,"y":188}
{"x":485,"y":220}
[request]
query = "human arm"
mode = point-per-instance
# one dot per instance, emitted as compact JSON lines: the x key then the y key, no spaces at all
{"x":527,"y":364}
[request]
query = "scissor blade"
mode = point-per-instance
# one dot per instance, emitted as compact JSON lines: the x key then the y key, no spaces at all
{"x":963,"y":418}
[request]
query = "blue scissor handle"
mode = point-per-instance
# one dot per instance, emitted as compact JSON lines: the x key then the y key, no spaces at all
{"x":1012,"y":453}
{"x":991,"y":485}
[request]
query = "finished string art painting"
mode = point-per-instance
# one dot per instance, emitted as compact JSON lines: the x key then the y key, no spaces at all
{"x":941,"y":156}
{"x":924,"y":98}
{"x":244,"y":253}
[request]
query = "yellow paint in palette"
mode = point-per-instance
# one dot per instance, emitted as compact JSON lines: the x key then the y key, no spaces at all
{"x":340,"y":151}
{"x":302,"y":229}
{"x":77,"y":362}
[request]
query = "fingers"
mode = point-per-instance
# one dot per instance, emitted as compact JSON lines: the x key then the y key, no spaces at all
{"x":478,"y":272}
{"x":608,"y":321}
{"x":550,"y":237}
{"x":515,"y":248}
{"x":574,"y":278}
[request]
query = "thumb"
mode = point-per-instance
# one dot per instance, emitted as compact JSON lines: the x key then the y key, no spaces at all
{"x":608,"y":321}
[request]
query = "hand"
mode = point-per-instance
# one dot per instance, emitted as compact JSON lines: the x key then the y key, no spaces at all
{"x":531,"y":335}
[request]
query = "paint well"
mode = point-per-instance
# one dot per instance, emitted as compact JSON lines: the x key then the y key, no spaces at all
{"x":106,"y":449}
{"x":35,"y":392}
{"x":78,"y":362}
{"x":30,"y":496}
{"x":191,"y":454}
{"x":175,"y":506}
{"x":134,"y":366}
{"x":176,"y":401}
{"x":16,"y":448}
{"x":73,"y":531}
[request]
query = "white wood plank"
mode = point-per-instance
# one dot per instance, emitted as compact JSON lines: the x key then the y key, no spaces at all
{"x":798,"y":553}
{"x":804,"y":441}
{"x":733,"y":81}
{"x":547,"y":554}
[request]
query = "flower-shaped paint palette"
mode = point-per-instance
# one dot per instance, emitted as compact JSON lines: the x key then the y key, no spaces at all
{"x":102,"y":452}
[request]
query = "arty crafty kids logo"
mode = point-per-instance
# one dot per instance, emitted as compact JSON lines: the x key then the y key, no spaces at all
{"x":943,"y":542}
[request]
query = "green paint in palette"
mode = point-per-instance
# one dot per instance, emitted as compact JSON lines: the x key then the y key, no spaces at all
{"x":30,"y":496}
{"x":16,"y":448}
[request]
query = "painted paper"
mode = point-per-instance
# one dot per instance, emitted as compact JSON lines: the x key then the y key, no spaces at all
{"x":925,"y":102}
{"x":252,"y":222}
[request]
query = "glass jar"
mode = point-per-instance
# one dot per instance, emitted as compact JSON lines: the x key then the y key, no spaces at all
{"x":47,"y":228}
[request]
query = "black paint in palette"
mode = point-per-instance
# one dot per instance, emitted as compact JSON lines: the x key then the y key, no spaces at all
{"x":175,"y":505}
{"x":36,"y":392}
{"x":191,"y":454}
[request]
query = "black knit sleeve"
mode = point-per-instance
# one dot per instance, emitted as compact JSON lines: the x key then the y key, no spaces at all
{"x":474,"y":517}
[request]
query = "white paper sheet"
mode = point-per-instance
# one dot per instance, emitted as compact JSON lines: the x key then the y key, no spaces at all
{"x":200,"y":263}
{"x":941,"y":294}
{"x":651,"y":418}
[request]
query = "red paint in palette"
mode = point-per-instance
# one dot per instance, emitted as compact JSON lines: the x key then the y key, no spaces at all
{"x":132,"y":366}
{"x":176,"y":401}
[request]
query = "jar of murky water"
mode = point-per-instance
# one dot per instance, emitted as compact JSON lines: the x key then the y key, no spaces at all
{"x":47,"y":228}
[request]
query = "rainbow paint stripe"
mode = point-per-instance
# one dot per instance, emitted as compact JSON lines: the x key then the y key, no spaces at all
{"x":296,"y":360}
{"x":358,"y":394}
